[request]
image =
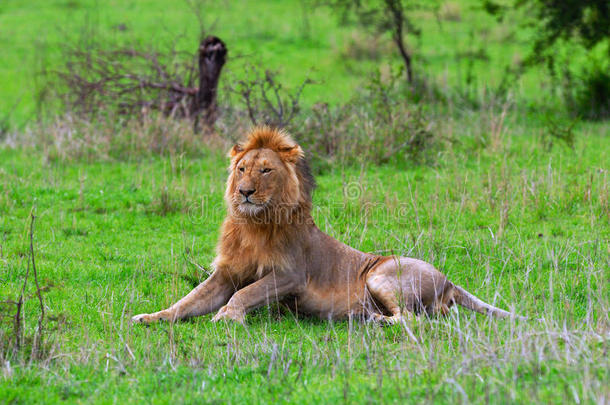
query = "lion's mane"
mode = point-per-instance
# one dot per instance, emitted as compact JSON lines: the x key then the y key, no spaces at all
{"x":270,"y":239}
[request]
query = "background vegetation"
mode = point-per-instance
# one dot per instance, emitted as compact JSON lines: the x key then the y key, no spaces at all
{"x":492,"y":164}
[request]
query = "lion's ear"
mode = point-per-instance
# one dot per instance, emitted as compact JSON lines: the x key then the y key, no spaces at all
{"x":291,"y":154}
{"x":237,"y":148}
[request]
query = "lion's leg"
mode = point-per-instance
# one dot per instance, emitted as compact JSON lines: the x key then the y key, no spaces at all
{"x":386,"y":289}
{"x":205,"y":298}
{"x":270,"y":288}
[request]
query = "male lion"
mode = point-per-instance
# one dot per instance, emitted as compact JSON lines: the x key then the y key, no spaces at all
{"x":271,"y":250}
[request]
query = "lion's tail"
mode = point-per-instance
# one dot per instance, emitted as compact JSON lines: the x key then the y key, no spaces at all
{"x":467,"y":300}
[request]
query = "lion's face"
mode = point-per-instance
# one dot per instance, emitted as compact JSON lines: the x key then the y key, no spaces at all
{"x":259,"y":181}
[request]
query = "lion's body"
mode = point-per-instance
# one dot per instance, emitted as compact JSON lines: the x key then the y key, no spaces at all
{"x":271,"y":250}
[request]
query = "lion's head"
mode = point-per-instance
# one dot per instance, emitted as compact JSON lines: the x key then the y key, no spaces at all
{"x":269,"y":177}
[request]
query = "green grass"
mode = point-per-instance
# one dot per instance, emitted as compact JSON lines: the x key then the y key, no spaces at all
{"x":516,"y":225}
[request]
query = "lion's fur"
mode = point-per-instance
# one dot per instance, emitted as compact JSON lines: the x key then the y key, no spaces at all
{"x":271,"y":250}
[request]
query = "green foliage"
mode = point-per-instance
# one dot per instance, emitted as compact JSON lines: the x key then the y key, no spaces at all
{"x":586,"y":20}
{"x":590,"y":92}
{"x":571,"y":24}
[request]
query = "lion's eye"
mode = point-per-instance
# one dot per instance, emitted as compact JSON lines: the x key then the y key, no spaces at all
{"x":241,"y":169}
{"x":265,"y":170}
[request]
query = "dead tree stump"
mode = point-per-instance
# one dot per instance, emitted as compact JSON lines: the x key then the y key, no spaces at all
{"x":212,"y":57}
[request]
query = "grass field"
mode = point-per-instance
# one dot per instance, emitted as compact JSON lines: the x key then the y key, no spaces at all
{"x":506,"y":207}
{"x":523,"y":228}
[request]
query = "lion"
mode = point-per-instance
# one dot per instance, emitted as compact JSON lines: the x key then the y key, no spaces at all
{"x":270,"y":250}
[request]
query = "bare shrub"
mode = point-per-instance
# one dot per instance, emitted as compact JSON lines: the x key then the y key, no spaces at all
{"x":131,"y":82}
{"x":376,"y":126}
{"x":266,"y":100}
{"x":15,"y":337}
{"x":558,"y":133}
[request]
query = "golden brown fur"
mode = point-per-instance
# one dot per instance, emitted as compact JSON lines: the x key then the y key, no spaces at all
{"x":271,"y":250}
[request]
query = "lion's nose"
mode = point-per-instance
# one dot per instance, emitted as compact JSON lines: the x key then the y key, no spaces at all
{"x":247,"y":192}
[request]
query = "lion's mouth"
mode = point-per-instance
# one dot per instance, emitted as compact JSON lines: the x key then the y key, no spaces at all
{"x":250,"y":203}
{"x":247,"y":201}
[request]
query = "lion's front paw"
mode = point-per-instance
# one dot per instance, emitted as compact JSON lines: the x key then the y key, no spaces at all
{"x":142,"y":318}
{"x":229,"y":314}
